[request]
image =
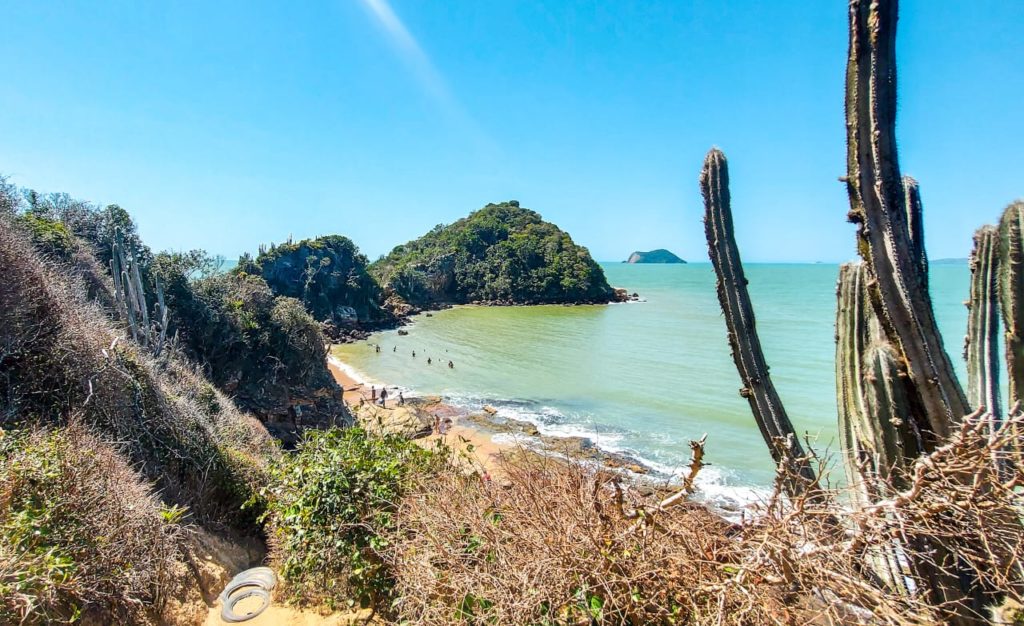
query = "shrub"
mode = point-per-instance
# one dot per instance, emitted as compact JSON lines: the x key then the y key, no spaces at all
{"x":330,"y":507}
{"x":80,"y":533}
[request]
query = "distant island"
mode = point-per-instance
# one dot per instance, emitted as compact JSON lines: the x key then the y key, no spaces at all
{"x":654,"y":256}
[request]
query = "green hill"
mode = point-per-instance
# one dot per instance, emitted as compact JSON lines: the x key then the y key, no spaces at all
{"x":654,"y":256}
{"x":500,"y":254}
{"x":327,"y":274}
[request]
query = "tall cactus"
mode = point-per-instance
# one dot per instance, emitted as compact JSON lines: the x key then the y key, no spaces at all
{"x":1011,"y":286}
{"x":758,"y":389}
{"x":915,"y":228}
{"x":876,"y":424}
{"x":878,"y":436}
{"x":981,"y":347}
{"x":130,"y":296}
{"x":878,"y":205}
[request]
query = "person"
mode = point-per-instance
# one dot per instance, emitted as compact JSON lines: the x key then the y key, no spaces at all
{"x":445,"y":425}
{"x":437,"y":424}
{"x":414,"y":354}
{"x":395,"y":349}
{"x":451,"y":365}
{"x":373,"y":392}
{"x":429,"y":360}
{"x":378,"y":348}
{"x":383,"y":396}
{"x":401,"y":399}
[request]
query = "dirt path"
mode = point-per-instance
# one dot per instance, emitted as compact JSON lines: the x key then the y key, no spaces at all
{"x":277,"y":615}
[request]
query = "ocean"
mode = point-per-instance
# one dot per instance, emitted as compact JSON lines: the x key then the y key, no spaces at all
{"x":645,"y":378}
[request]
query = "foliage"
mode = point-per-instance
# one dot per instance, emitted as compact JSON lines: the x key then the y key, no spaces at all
{"x":330,"y":506}
{"x":258,"y":347}
{"x":501,"y":253}
{"x":80,"y":533}
{"x":59,"y":352}
{"x":327,"y":274}
{"x":50,"y":236}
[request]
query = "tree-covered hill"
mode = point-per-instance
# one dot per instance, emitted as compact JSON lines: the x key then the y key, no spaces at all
{"x":501,"y":253}
{"x":327,"y":274}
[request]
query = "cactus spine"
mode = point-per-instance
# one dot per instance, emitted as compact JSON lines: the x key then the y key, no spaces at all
{"x":879,"y":206}
{"x":981,"y":348}
{"x":1011,"y":286}
{"x":758,"y":389}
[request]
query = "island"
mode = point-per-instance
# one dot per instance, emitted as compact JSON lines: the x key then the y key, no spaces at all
{"x":654,"y":256}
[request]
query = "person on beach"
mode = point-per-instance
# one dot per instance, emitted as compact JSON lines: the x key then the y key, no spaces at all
{"x":373,"y":393}
{"x":383,"y":396}
{"x":378,"y":348}
{"x":429,"y":360}
{"x":451,"y":365}
{"x":401,"y":399}
{"x":395,"y":349}
{"x":414,"y":354}
{"x":445,"y":425}
{"x":437,"y":424}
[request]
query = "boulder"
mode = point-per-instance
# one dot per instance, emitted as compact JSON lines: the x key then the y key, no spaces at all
{"x":407,"y":421}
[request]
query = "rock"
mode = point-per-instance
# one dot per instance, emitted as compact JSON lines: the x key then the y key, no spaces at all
{"x":490,"y":410}
{"x":407,"y":421}
{"x":402,"y":332}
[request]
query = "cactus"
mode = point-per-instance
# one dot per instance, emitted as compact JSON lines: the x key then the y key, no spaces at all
{"x":887,"y":240}
{"x":1011,"y":284}
{"x":758,"y":389}
{"x":981,"y":347}
{"x":130,"y":297}
{"x":879,"y":436}
{"x":915,"y":228}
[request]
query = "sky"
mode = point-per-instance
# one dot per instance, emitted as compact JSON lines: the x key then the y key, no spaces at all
{"x":223,"y":125}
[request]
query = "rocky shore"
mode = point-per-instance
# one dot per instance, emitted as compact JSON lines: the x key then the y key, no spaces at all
{"x":484,"y":434}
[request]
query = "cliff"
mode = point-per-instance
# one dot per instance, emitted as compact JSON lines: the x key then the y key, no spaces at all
{"x":328,"y":275}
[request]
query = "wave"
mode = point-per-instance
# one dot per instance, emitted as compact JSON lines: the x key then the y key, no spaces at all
{"x":717,"y":486}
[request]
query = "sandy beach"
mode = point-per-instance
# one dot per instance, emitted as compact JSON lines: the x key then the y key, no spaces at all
{"x":466,"y":439}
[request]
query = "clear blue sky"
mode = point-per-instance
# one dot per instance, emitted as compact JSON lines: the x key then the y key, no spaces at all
{"x":221,"y":125}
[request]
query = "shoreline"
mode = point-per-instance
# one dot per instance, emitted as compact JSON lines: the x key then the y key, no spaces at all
{"x":476,"y":444}
{"x":480,"y":436}
{"x":483,"y":436}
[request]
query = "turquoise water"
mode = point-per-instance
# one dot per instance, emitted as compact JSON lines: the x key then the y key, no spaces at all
{"x":647,"y":377}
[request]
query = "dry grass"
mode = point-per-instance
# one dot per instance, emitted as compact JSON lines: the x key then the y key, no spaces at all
{"x":58,"y":350}
{"x":564,"y":544}
{"x":80,"y":534}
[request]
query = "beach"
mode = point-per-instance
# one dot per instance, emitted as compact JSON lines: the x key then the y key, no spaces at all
{"x":472,"y":443}
{"x":479,"y":439}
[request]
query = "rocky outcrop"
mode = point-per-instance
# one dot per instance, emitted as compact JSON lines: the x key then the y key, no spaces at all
{"x":654,"y":256}
{"x":410,"y":421}
{"x":329,"y":276}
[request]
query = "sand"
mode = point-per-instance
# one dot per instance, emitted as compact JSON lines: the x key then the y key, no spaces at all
{"x":475,"y":447}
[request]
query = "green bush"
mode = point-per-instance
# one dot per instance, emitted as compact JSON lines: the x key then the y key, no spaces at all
{"x":329,"y":507}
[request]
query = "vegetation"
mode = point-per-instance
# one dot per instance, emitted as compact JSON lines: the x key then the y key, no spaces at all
{"x":902,"y":409}
{"x":330,"y":507}
{"x":654,"y":256}
{"x":80,"y":533}
{"x":502,"y":253}
{"x":327,"y":274}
